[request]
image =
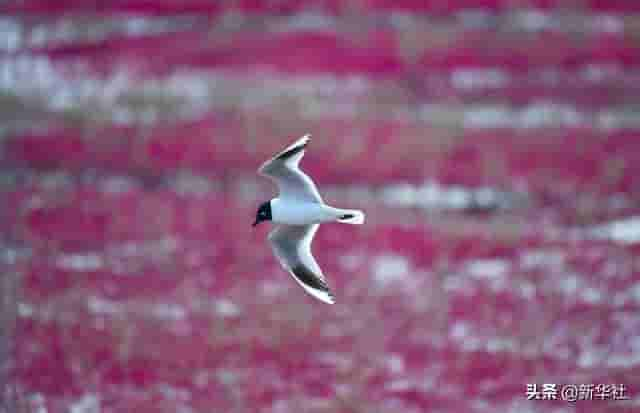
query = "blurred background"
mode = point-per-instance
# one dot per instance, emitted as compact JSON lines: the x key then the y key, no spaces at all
{"x":494,"y":145}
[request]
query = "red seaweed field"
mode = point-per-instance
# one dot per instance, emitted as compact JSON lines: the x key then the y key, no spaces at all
{"x":493,"y":144}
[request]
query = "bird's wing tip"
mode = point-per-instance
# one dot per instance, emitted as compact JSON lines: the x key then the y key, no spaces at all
{"x":323,"y":295}
{"x":296,"y":146}
{"x":326,"y":298}
{"x":300,"y":142}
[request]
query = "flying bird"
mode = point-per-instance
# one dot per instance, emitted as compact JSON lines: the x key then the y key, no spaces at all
{"x":299,"y":210}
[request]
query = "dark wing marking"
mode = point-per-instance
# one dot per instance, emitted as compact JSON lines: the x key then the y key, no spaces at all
{"x":290,"y":152}
{"x":291,"y":244}
{"x":310,"y":279}
{"x":283,"y":170}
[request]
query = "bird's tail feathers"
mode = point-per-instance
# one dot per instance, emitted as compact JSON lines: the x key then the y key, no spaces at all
{"x":351,"y":216}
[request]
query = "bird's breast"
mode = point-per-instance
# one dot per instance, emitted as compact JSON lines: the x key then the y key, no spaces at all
{"x":299,"y":212}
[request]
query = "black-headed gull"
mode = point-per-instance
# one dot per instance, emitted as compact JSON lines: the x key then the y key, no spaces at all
{"x":299,"y":210}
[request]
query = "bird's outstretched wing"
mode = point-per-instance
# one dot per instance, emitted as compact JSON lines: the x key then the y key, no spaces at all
{"x":292,"y":246}
{"x":284,"y":171}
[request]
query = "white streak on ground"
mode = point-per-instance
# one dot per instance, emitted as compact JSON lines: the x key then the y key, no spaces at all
{"x":624,"y":231}
{"x":388,"y":269}
{"x":80,"y":262}
{"x":89,"y":403}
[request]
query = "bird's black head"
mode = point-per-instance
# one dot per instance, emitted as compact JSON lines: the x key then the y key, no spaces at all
{"x":264,"y":213}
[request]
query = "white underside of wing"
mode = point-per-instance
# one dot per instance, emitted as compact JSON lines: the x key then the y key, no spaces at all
{"x":319,"y":294}
{"x":283,"y":169}
{"x":292,"y":246}
{"x":278,"y":161}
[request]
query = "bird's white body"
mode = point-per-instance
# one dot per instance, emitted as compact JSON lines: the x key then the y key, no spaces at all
{"x":299,"y":209}
{"x":303,"y":213}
